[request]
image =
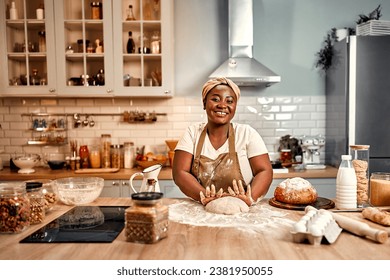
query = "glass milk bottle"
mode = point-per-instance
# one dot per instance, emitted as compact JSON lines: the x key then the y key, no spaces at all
{"x":346,"y":184}
{"x":360,"y":161}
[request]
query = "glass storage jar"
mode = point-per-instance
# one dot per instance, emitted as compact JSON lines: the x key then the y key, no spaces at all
{"x":129,"y":155}
{"x":94,"y":157}
{"x":84,"y":156}
{"x":380,"y":189}
{"x":14,"y":208}
{"x":117,"y":156}
{"x":37,"y":202}
{"x":105,"y":154}
{"x":360,"y":160}
{"x":147,"y":220}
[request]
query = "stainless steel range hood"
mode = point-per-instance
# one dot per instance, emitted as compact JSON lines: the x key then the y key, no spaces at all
{"x":241,"y":67}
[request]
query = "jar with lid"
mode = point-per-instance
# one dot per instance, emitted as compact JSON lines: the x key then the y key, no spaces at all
{"x":380,"y":189}
{"x":155,"y":42}
{"x":94,"y":157}
{"x":37,"y":202}
{"x":129,"y":155}
{"x":286,"y":157}
{"x":117,"y":156}
{"x":105,"y":154}
{"x":96,"y":10}
{"x":147,"y":220}
{"x":84,"y":156}
{"x":14,"y":208}
{"x":360,"y":160}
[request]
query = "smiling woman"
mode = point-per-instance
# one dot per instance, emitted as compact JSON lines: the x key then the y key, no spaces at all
{"x":220,"y":158}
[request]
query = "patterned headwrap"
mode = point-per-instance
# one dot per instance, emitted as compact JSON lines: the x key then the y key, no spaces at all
{"x":212,"y":83}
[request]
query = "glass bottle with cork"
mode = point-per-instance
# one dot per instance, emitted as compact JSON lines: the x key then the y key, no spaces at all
{"x":130,"y":43}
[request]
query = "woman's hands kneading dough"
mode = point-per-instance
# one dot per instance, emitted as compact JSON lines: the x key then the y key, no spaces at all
{"x":237,"y":191}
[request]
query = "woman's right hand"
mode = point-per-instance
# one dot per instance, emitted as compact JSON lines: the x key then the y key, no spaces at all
{"x":210,"y":195}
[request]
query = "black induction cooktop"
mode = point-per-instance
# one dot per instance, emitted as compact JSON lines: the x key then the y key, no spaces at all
{"x":82,"y":224}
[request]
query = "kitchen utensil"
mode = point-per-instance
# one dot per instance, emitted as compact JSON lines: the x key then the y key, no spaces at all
{"x":78,"y":190}
{"x":56,"y":164}
{"x":86,"y":121}
{"x":26,"y":163}
{"x":150,"y":179}
{"x":359,"y":228}
{"x":96,"y":170}
{"x":91,"y":122}
{"x":321,"y":203}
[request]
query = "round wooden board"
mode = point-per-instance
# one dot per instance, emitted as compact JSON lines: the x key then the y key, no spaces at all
{"x":321,"y":203}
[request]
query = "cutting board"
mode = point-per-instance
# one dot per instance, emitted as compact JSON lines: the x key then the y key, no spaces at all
{"x":96,"y":170}
{"x":320,"y":203}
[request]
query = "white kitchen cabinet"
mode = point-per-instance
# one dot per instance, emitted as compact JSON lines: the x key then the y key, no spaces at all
{"x":27,"y":49}
{"x":121,"y":188}
{"x":86,"y":55}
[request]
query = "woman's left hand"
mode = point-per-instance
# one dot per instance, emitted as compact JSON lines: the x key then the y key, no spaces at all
{"x":239,"y":192}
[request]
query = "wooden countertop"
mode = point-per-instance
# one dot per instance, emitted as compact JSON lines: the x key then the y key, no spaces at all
{"x":186,"y":242}
{"x":165,"y":174}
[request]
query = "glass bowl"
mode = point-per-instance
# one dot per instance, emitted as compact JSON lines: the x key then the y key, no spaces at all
{"x":78,"y":190}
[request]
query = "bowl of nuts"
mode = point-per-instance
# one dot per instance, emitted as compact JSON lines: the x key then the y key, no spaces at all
{"x":78,"y":190}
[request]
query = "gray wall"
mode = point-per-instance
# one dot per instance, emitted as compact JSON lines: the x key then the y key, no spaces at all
{"x":287,"y":36}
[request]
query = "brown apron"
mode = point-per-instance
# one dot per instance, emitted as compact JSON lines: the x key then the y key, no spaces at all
{"x":221,"y":171}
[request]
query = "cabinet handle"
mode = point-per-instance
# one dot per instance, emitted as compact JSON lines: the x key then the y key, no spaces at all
{"x":114,"y":183}
{"x":167,"y":91}
{"x":52,"y":90}
{"x":124,"y":183}
{"x":110,"y":90}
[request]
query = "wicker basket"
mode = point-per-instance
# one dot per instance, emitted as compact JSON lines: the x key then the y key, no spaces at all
{"x":373,"y":27}
{"x":147,"y":163}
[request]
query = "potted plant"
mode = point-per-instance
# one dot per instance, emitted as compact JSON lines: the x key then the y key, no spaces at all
{"x":324,"y":56}
{"x":374,"y":15}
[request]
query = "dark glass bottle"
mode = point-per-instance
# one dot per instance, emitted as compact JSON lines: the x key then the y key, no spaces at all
{"x":130,"y":43}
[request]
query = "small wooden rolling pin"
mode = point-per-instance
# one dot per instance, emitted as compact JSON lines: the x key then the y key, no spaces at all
{"x":359,"y":228}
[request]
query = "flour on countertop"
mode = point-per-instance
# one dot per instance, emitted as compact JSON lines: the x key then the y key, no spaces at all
{"x":260,"y":218}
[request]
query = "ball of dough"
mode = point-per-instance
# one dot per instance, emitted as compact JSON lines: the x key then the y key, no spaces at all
{"x":295,"y":191}
{"x":228,"y":205}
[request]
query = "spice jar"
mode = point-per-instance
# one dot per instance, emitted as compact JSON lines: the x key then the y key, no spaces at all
{"x":147,"y":220}
{"x":37,"y":202}
{"x":105,"y":150}
{"x":94,"y":157}
{"x":14,"y":208}
{"x":380,"y":189}
{"x":117,"y":156}
{"x":360,"y":160}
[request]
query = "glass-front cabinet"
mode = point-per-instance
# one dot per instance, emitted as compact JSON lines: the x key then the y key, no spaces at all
{"x":84,"y":48}
{"x":27,"y":48}
{"x":143,"y":47}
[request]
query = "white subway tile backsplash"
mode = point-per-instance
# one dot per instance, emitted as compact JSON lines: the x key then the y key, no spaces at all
{"x":273,"y":117}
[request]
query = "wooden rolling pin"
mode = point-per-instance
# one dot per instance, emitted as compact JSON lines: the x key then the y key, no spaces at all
{"x":357,"y":227}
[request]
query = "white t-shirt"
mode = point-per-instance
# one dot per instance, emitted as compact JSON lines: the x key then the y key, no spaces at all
{"x":248,"y":144}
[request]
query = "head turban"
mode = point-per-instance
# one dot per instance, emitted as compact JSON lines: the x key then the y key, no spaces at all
{"x":212,"y":83}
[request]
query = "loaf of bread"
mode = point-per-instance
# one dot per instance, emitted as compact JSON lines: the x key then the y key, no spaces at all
{"x":377,"y":216}
{"x":295,"y":191}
